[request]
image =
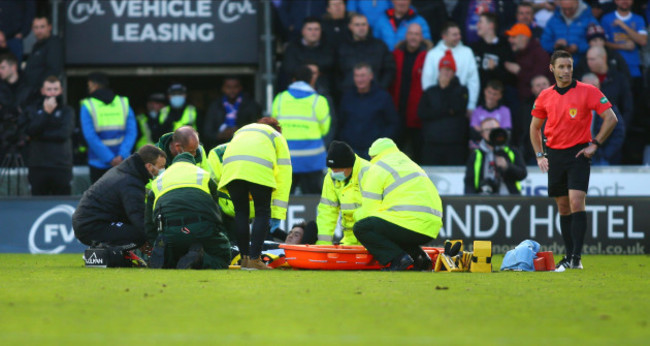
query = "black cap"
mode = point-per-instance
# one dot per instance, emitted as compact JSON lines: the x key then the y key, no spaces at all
{"x":340,"y":155}
{"x":177,"y":89}
{"x":98,"y":78}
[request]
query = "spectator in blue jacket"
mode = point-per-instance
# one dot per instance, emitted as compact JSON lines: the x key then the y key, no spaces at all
{"x":367,"y":112}
{"x":392,"y":26}
{"x":16,"y":22}
{"x":610,"y":152}
{"x":373,"y":10}
{"x":625,"y":32}
{"x":567,"y":29}
{"x":108,"y":125}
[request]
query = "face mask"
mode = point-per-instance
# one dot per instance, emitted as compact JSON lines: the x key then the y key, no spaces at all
{"x":177,"y":101}
{"x":340,"y":176}
{"x":160,"y":172}
{"x":153,"y":114}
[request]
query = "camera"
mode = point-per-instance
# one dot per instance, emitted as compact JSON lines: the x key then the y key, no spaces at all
{"x":498,"y":138}
{"x":489,"y":186}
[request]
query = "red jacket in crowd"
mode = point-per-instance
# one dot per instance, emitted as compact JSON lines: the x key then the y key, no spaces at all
{"x":415,"y":93}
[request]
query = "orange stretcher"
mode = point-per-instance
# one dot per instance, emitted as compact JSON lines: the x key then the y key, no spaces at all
{"x":337,"y":257}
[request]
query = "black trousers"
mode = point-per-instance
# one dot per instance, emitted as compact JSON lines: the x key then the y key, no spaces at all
{"x":239,"y":192}
{"x":310,"y":182}
{"x":116,"y":234}
{"x":387,"y":241}
{"x":96,"y":173}
{"x":50,"y":181}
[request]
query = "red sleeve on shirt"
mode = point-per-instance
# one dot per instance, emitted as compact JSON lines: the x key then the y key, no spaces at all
{"x":597,"y":101}
{"x":539,"y":111}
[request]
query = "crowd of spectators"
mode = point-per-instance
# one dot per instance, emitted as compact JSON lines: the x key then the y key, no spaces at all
{"x":428,"y":74}
{"x":450,"y":65}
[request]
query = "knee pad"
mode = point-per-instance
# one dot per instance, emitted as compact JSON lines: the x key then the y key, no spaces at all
{"x":105,"y":257}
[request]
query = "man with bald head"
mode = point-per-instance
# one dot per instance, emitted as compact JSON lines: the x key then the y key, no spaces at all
{"x":613,"y":83}
{"x":406,"y":88}
{"x":184,"y":140}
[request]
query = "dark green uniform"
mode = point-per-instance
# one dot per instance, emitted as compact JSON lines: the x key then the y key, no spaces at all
{"x":200,"y":159}
{"x":186,"y":199}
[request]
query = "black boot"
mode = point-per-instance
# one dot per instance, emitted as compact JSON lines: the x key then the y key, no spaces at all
{"x":400,"y":263}
{"x":193,"y":259}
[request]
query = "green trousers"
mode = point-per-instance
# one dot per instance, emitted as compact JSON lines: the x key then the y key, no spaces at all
{"x":387,"y":241}
{"x":216,"y":247}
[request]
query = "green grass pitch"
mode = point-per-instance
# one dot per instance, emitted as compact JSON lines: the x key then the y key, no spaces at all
{"x":55,"y":300}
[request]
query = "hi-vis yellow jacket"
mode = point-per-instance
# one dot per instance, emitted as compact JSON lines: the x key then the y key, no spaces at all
{"x":343,"y":197}
{"x":215,"y":165}
{"x":397,"y":190}
{"x":259,"y":154}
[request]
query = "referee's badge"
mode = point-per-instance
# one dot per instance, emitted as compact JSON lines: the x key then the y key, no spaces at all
{"x":573,"y":112}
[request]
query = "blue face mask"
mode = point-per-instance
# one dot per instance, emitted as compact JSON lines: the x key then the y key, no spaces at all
{"x":177,"y":101}
{"x":340,"y":176}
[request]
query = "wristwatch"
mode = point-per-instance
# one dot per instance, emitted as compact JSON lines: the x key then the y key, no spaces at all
{"x":596,"y":142}
{"x":539,"y":155}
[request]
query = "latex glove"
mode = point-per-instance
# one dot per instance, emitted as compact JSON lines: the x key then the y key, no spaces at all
{"x":274,"y":224}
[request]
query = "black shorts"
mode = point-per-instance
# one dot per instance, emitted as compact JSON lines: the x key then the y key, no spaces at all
{"x":566,"y":171}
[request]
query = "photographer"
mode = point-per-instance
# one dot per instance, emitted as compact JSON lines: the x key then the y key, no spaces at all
{"x":494,"y":168}
{"x":51,"y":124}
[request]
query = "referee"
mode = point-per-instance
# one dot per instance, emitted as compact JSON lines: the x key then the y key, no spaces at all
{"x":567,"y":109}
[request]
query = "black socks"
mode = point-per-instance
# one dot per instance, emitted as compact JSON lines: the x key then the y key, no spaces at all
{"x":578,"y":230}
{"x":566,"y":230}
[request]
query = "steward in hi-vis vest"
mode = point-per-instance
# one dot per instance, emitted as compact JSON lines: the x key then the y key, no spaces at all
{"x":108,"y":125}
{"x":400,"y":209}
{"x":257,"y":164}
{"x":341,"y":194}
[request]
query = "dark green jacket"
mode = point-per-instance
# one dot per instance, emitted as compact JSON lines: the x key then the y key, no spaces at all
{"x":163,"y":143}
{"x":182,"y":203}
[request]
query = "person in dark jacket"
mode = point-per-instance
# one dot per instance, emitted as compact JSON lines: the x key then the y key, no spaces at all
{"x":293,"y":12}
{"x":51,"y":124}
{"x":521,"y":121}
{"x":492,"y":52}
{"x":335,"y":23}
{"x":494,"y":168}
{"x":111,"y":211}
{"x":362,"y":47}
{"x":615,"y":85}
{"x":611,"y":151}
{"x":531,"y":59}
{"x":366,"y":113}
{"x":596,"y":38}
{"x":442,"y":110}
{"x":232,"y":110}
{"x":466,"y":14}
{"x":46,"y":58}
{"x":15,"y":22}
{"x":406,"y":89}
{"x":14,"y":91}
{"x":310,"y":48}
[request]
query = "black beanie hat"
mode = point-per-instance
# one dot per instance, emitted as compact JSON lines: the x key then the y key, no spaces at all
{"x":340,"y":155}
{"x":311,"y":233}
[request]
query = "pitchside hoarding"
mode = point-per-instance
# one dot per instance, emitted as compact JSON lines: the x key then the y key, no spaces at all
{"x":604,"y":181}
{"x":161,"y":32}
{"x":616,"y":225}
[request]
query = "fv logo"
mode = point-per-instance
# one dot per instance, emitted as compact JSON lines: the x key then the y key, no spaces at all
{"x":50,"y":233}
